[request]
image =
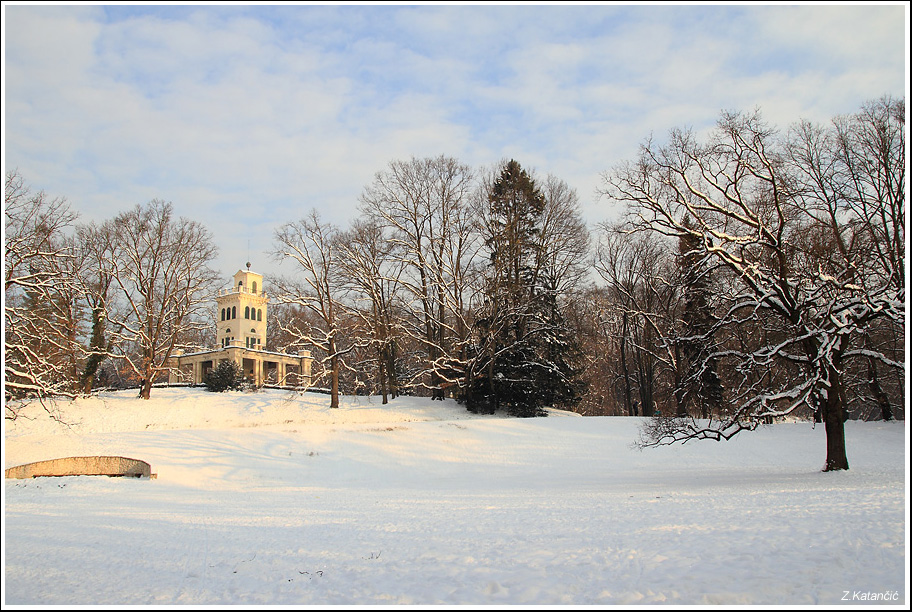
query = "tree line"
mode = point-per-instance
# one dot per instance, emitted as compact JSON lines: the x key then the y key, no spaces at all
{"x":755,"y":274}
{"x":789,"y":283}
{"x":451,"y":283}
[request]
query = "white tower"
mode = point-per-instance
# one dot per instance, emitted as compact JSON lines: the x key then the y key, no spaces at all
{"x":241,"y":312}
{"x":241,"y":320}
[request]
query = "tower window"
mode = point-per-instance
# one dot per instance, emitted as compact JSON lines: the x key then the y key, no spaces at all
{"x":247,"y":312}
{"x":253,"y":287}
{"x":234,"y":312}
{"x":259,"y":314}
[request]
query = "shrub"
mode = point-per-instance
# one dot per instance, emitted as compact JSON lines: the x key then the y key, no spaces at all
{"x":226,"y":376}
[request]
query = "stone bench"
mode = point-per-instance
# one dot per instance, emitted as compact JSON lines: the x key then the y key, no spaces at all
{"x":83,"y":466}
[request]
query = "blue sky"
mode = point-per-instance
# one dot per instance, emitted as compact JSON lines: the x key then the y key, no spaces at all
{"x":246,"y":117}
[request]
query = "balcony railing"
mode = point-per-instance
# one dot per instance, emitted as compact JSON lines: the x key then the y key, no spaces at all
{"x":244,"y":290}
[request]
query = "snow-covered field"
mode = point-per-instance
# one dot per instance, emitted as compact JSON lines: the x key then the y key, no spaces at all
{"x":272,"y":498}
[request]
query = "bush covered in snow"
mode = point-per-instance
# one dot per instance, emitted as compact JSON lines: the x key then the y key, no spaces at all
{"x":226,"y":376}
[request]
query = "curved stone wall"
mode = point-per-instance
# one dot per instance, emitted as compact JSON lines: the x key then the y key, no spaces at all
{"x":83,"y":466}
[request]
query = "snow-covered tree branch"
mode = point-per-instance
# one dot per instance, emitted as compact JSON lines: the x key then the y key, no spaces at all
{"x":807,"y":229}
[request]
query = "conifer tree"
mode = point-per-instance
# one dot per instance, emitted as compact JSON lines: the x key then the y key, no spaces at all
{"x":700,"y":385}
{"x":522,"y":358}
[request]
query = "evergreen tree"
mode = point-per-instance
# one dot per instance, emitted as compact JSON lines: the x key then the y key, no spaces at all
{"x":700,"y":384}
{"x":558,"y":371}
{"x":522,"y":359}
{"x":226,"y":376}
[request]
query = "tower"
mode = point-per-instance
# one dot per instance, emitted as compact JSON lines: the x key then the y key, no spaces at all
{"x":241,"y":332}
{"x":242,"y":312}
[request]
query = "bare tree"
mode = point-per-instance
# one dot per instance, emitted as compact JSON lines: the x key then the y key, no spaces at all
{"x":38,"y":308}
{"x":739,"y":200}
{"x":95,"y":251}
{"x":160,"y":273}
{"x":313,"y":245}
{"x":424,"y":204}
{"x":372,"y":274}
{"x":564,"y":238}
{"x":591,"y":315}
{"x":643,"y":310}
{"x":849,"y":183}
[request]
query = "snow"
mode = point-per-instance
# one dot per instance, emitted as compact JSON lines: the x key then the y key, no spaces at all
{"x":271,"y":498}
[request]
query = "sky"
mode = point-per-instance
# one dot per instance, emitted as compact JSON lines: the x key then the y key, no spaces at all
{"x":246,"y":117}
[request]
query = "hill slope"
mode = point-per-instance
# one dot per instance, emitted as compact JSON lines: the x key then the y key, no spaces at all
{"x":272,"y":498}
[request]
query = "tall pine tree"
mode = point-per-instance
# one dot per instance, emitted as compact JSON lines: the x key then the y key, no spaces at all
{"x":700,"y":384}
{"x":522,"y":360}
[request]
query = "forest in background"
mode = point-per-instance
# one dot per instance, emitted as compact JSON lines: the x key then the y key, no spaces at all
{"x":756,"y":273}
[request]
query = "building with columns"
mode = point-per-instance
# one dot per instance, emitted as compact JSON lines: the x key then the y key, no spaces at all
{"x":241,"y":334}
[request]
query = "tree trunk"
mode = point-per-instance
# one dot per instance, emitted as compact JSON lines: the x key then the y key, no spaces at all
{"x":334,"y":379}
{"x":440,"y":331}
{"x":680,"y":393}
{"x":381,"y":373}
{"x":145,"y":385}
{"x":391,"y":376}
{"x":145,"y":389}
{"x":96,"y":345}
{"x":886,"y":411}
{"x":645,"y":380}
{"x":628,"y":404}
{"x":834,"y":424}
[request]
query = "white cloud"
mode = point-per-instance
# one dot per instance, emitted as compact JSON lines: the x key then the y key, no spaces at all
{"x":248,"y":115}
